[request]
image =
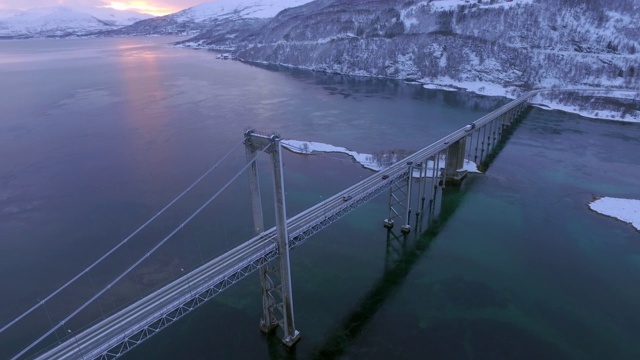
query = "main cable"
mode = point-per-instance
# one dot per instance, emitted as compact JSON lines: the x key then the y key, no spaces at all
{"x":35,"y":307}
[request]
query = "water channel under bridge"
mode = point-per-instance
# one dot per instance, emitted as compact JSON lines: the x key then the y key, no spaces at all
{"x":413,"y":185}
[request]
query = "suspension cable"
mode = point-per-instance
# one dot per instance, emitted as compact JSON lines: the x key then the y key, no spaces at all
{"x":35,"y":307}
{"x":144,"y":257}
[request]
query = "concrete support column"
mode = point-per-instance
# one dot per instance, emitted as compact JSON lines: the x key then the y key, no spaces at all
{"x":504,"y":123}
{"x":455,"y":161}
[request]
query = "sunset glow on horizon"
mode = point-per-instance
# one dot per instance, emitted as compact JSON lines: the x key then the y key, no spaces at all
{"x":141,"y":6}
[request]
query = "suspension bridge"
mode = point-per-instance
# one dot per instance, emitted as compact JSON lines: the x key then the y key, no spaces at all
{"x":410,"y":183}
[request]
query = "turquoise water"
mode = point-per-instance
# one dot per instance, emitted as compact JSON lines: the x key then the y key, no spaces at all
{"x":101,"y":133}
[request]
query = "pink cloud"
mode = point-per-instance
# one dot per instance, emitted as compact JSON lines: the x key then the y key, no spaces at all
{"x":173,"y":5}
{"x":27,"y":4}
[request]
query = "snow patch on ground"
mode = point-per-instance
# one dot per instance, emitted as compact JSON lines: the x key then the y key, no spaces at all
{"x":441,"y":87}
{"x":507,"y":3}
{"x":484,"y":88}
{"x":479,"y":87}
{"x":407,"y":19}
{"x":442,"y":5}
{"x":626,"y":210}
{"x":470,"y":166}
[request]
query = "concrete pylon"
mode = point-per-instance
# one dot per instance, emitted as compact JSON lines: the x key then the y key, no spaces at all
{"x":274,"y":296}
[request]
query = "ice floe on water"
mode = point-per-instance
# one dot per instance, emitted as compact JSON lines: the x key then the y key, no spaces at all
{"x":370,"y":161}
{"x":626,"y":210}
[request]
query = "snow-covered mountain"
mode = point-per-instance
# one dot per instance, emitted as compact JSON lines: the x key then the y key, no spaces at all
{"x":236,"y":9}
{"x":493,"y":47}
{"x":222,"y":14}
{"x":63,"y":21}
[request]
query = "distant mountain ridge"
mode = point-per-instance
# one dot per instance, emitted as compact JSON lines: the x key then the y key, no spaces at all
{"x":62,"y":21}
{"x":221,"y":15}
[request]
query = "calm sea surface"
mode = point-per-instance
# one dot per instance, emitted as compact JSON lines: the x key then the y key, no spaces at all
{"x":98,"y":135}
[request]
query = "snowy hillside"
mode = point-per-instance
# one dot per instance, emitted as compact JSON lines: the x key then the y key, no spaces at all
{"x":222,"y":15}
{"x":493,"y":47}
{"x":63,"y":21}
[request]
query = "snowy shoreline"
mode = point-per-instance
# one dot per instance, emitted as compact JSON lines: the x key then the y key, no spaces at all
{"x":368,"y":161}
{"x":308,"y":147}
{"x":625,"y":210}
{"x":490,"y":89}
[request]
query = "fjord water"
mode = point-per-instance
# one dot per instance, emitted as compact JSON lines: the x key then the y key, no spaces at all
{"x":97,"y":135}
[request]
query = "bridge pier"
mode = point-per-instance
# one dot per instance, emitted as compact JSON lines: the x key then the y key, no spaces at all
{"x":276,"y":298}
{"x":406,"y":228}
{"x":454,"y":162}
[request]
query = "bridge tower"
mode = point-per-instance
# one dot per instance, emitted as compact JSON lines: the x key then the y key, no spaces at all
{"x":277,"y":296}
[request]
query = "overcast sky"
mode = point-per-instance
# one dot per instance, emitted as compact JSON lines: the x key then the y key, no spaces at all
{"x":157,"y":7}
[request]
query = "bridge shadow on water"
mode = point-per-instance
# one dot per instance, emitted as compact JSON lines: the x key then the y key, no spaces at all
{"x":403,"y":251}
